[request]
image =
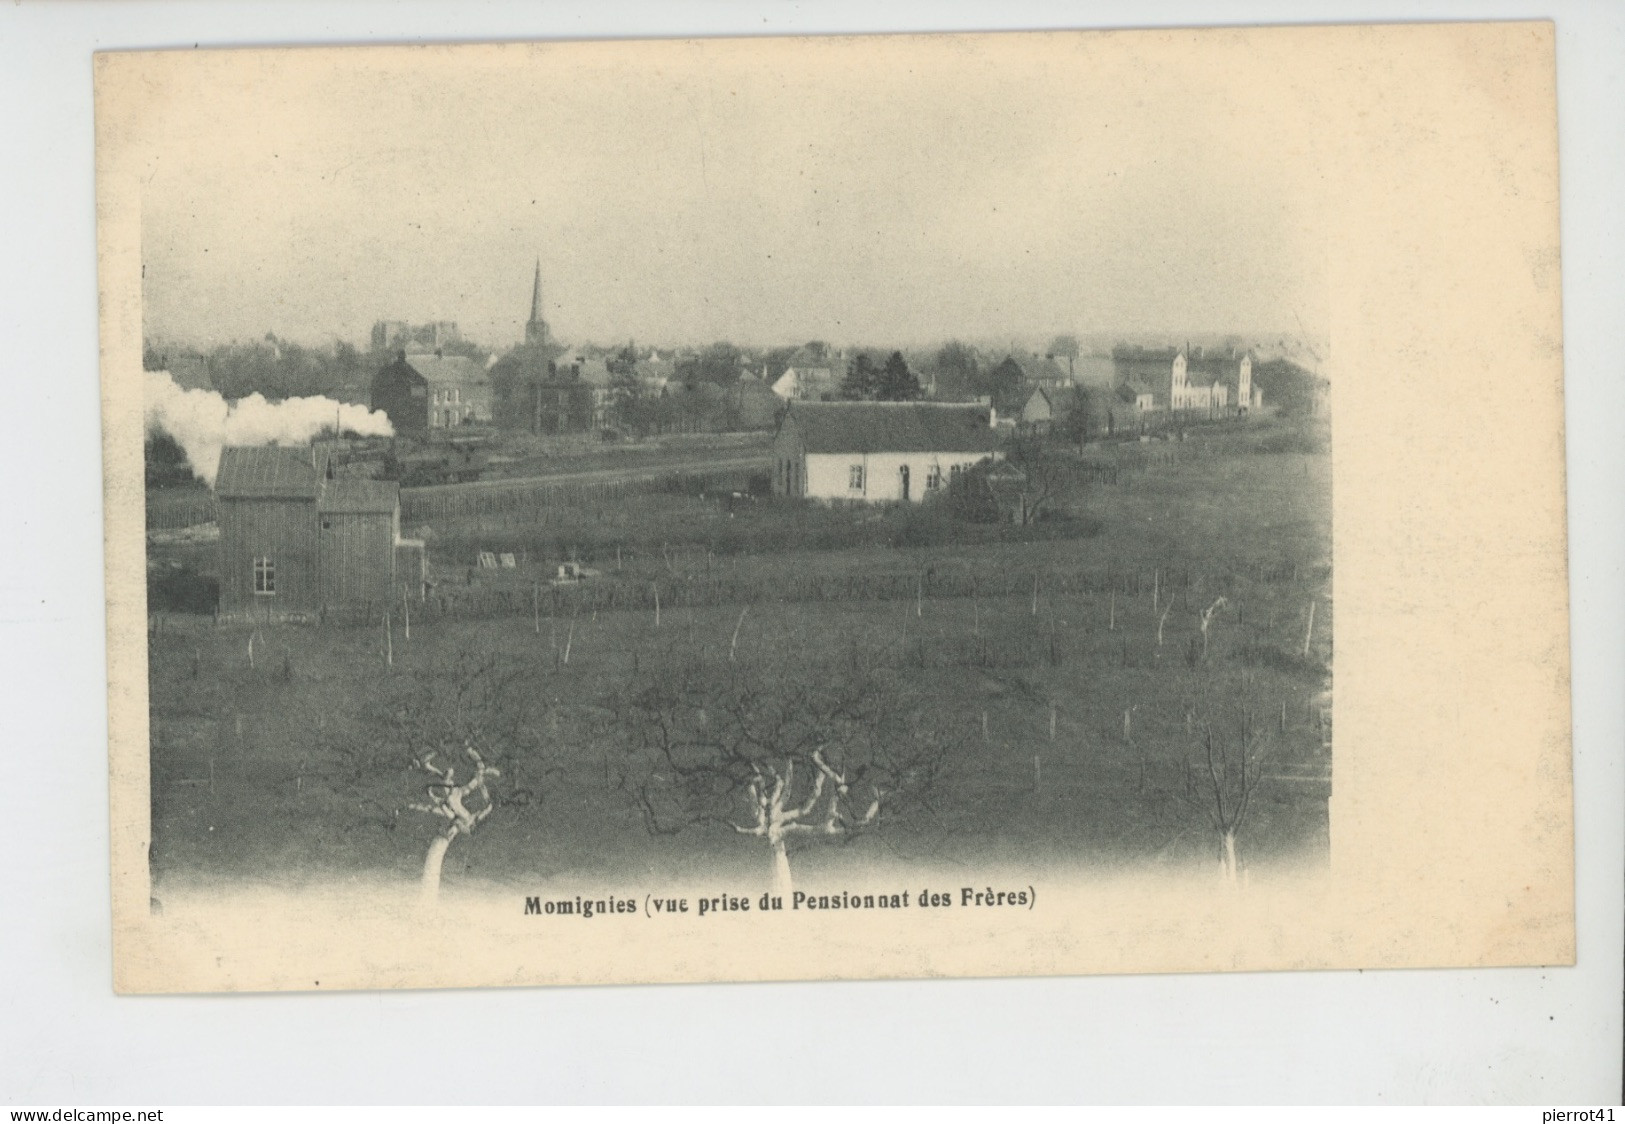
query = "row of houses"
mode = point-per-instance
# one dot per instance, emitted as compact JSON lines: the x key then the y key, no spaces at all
{"x":299,"y":541}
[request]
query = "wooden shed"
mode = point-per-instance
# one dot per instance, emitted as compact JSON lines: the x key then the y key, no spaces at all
{"x":296,"y":542}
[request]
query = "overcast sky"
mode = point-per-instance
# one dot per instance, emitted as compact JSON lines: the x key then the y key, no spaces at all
{"x":874,"y":191}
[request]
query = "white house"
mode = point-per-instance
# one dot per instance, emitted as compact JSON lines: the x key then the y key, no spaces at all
{"x":1214,"y":386}
{"x":878,"y":451}
{"x":1200,"y":393}
{"x":1248,"y":396}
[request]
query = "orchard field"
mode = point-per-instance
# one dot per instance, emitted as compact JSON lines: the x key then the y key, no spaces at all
{"x":1063,"y":667}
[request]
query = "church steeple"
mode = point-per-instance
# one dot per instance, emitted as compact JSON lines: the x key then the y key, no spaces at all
{"x":536,"y":327}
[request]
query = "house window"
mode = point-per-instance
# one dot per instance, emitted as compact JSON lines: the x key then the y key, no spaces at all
{"x":933,"y":478}
{"x":854,"y":478}
{"x":264,"y":576}
{"x":456,"y":395}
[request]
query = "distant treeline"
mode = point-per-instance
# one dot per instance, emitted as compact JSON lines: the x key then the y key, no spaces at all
{"x":278,"y":368}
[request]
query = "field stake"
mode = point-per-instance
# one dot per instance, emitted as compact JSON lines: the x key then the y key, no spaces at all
{"x":733,"y":645}
{"x":406,"y":610}
{"x":536,"y":607}
{"x":1035,"y":594}
{"x":1111,"y":620}
{"x":389,"y":641}
{"x":1309,"y":633}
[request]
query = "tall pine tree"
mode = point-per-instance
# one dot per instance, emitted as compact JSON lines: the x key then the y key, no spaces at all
{"x":896,"y":382}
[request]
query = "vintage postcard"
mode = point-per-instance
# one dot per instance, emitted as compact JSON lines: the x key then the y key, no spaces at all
{"x":837,"y":508}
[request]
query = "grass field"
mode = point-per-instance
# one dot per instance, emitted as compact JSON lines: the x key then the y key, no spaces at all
{"x":255,"y":766}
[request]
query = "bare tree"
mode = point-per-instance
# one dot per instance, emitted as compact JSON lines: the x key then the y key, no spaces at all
{"x":475,"y":705}
{"x":1225,"y":782}
{"x":780,"y":756}
{"x":449,"y":800}
{"x":1044,"y":474}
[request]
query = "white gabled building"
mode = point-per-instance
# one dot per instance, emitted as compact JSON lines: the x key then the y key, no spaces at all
{"x":1218,"y":387}
{"x":801,"y":384}
{"x":878,"y":451}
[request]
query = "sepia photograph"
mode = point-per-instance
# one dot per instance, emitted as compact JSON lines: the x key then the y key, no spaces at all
{"x":796,"y":481}
{"x":866,"y":495}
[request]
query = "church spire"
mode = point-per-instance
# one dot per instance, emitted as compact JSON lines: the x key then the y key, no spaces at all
{"x":536,"y":327}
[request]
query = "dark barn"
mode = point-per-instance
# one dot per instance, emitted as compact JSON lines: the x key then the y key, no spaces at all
{"x":296,"y":542}
{"x":403,"y":394}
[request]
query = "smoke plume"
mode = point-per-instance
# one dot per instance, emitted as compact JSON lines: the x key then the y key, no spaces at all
{"x":202,"y":422}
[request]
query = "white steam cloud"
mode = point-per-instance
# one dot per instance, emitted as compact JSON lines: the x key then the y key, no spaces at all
{"x":202,"y":422}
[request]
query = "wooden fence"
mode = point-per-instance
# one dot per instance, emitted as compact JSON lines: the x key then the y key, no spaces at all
{"x":473,"y":598}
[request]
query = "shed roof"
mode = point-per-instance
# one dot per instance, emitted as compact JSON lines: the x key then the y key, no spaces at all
{"x":1039,"y":368}
{"x":891,"y":427}
{"x":270,"y":472}
{"x":354,"y":495}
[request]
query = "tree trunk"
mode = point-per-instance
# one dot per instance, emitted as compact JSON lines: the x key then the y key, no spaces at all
{"x":1228,"y":863}
{"x":429,"y":888}
{"x":781,"y":868}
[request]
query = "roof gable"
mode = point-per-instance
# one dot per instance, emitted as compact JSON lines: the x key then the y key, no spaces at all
{"x":270,"y":472}
{"x":457,"y":369}
{"x":891,"y":427}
